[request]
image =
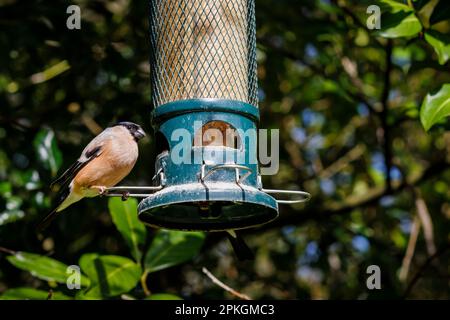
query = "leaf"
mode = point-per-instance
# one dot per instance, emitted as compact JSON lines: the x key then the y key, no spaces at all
{"x":163,"y":296}
{"x":440,"y":43}
{"x":400,"y":24}
{"x":394,"y":6}
{"x":5,"y":189}
{"x":31,"y":294}
{"x":441,"y":12}
{"x":435,"y":107}
{"x":47,"y":150}
{"x":170,"y":248}
{"x":31,"y":179}
{"x":398,"y":20}
{"x":42,"y":267}
{"x":110,"y":275}
{"x":124,"y":216}
{"x":10,"y":216}
{"x":13,"y":211}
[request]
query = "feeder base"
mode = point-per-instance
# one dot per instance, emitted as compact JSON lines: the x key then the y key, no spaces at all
{"x":208,"y":207}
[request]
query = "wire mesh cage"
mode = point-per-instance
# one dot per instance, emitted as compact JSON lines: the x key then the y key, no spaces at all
{"x":203,"y":49}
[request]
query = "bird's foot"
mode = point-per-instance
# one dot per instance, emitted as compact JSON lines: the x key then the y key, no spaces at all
{"x":100,"y":189}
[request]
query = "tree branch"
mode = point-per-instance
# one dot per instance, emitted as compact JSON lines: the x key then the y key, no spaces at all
{"x":386,"y":139}
{"x":224,"y":286}
{"x":296,"y":217}
{"x":414,"y":234}
{"x":422,"y":269}
{"x":427,"y":223}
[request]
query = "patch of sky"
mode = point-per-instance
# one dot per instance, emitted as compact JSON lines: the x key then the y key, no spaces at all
{"x":360,"y":243}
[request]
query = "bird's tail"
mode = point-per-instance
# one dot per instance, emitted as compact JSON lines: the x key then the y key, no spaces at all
{"x":44,"y":223}
{"x":66,"y":198}
{"x":242,"y":251}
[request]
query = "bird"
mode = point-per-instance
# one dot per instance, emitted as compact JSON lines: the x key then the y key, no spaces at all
{"x":103,"y":163}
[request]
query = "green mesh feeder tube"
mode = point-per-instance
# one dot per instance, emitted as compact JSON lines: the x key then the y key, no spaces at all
{"x":203,"y":78}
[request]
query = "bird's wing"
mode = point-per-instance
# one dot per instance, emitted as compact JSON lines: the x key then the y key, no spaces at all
{"x":92,"y":150}
{"x":70,"y":173}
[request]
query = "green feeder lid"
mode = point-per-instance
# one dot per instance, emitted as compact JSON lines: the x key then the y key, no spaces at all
{"x":212,"y":206}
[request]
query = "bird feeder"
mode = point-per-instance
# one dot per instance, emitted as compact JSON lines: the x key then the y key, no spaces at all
{"x":204,"y":78}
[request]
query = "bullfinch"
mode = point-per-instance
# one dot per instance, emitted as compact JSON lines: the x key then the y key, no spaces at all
{"x":105,"y":161}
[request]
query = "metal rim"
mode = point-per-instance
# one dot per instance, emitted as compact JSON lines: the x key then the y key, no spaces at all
{"x":204,"y":105}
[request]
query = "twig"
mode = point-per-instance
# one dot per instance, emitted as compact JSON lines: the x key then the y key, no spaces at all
{"x":144,"y":283}
{"x":351,"y":69}
{"x":427,"y":224}
{"x":425,"y":265}
{"x":90,"y":123}
{"x":372,"y":196}
{"x":224,"y":286}
{"x":6,"y":250}
{"x":415,"y":229}
{"x":342,"y":162}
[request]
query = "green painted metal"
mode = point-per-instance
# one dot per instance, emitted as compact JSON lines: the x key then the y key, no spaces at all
{"x":218,"y":203}
{"x":208,"y":207}
{"x":204,"y":105}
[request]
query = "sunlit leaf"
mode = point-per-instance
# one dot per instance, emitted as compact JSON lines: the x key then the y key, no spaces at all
{"x":398,"y":20}
{"x":31,"y":294}
{"x":124,"y":216}
{"x":47,"y":150}
{"x":110,"y":275}
{"x":170,"y":248}
{"x":43,"y":267}
{"x":394,"y":6}
{"x":400,"y":24}
{"x":441,"y":44}
{"x":435,"y":107}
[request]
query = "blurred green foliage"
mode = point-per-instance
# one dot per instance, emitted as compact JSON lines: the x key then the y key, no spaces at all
{"x":106,"y":276}
{"x":349,"y":103}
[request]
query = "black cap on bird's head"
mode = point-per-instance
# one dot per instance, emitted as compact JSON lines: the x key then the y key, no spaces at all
{"x":134,"y":129}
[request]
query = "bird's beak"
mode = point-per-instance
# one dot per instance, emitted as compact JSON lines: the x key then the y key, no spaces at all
{"x":139,"y":134}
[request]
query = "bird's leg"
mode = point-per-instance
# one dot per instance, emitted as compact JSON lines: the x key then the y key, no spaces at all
{"x":100,"y":189}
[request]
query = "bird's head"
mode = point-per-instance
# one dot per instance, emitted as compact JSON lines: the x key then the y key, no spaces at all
{"x":134,"y":129}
